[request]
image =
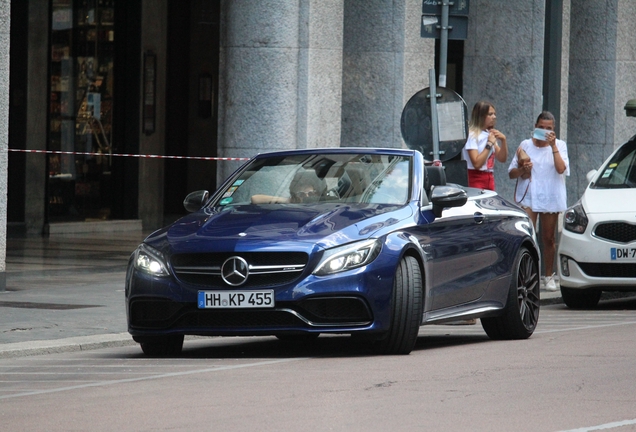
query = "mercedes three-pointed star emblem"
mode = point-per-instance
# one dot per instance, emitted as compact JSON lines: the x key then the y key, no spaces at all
{"x":235,"y":271}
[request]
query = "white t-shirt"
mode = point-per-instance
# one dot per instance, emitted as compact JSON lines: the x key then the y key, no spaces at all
{"x":546,"y":187}
{"x":478,"y":144}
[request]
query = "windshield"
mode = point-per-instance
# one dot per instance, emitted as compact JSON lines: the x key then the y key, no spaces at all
{"x":308,"y":179}
{"x":620,"y":171}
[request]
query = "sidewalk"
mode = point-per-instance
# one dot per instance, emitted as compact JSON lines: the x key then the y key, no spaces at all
{"x":66,"y":293}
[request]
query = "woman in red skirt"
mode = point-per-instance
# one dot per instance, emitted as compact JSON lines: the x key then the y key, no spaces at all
{"x":483,"y":146}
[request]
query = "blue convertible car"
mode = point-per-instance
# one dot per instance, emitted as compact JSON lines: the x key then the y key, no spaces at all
{"x":366,"y":242}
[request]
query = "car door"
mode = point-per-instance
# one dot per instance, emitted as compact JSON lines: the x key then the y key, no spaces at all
{"x":460,"y":255}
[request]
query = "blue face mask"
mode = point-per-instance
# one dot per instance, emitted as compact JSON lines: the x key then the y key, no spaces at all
{"x":540,"y":134}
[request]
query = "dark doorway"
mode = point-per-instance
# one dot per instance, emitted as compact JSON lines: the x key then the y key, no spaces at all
{"x":125,"y":183}
{"x":177,"y":91}
{"x":17,"y":116}
{"x":191,"y":100}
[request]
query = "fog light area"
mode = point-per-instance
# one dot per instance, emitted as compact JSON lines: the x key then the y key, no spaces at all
{"x":565,"y":265}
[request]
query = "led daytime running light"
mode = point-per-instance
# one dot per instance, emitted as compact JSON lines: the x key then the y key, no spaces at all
{"x":150,"y":260}
{"x":348,"y":257}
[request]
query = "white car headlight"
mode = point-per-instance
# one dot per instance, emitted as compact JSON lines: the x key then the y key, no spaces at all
{"x":348,"y":257}
{"x":150,"y":260}
{"x":575,"y":219}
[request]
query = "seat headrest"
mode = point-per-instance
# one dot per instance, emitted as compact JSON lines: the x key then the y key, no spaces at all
{"x":435,"y":176}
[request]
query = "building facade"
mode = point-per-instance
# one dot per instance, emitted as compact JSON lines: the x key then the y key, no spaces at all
{"x":230,"y":78}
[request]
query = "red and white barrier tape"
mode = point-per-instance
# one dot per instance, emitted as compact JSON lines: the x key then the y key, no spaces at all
{"x":128,"y":155}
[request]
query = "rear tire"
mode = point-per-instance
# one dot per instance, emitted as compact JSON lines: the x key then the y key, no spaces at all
{"x":580,"y":298}
{"x":521,"y":314}
{"x":162,"y":346}
{"x":407,"y":309}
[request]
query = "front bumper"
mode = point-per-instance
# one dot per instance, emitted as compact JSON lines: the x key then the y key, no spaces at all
{"x":585,"y":262}
{"x":349,"y":302}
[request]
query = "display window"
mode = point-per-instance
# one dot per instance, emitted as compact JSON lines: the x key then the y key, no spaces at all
{"x":81,"y":109}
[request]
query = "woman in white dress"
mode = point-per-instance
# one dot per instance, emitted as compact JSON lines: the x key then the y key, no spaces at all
{"x":541,"y":185}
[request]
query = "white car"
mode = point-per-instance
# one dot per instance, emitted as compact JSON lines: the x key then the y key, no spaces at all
{"x":597,"y":250}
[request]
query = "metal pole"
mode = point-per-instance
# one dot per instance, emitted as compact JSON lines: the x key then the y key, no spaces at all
{"x":434,"y":123}
{"x":443,"y":44}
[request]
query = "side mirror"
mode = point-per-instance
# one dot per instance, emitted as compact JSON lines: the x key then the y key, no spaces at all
{"x":447,"y":196}
{"x":590,"y":175}
{"x":195,"y":200}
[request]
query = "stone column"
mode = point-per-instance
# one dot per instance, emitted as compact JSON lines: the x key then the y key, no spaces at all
{"x":503,"y":64}
{"x":5,"y":25}
{"x":385,"y":63}
{"x":565,"y":69}
{"x":602,"y":76}
{"x":280,"y":76}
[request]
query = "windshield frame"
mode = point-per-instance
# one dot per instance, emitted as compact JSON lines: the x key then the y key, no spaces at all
{"x":330,"y":166}
{"x":619,"y":171}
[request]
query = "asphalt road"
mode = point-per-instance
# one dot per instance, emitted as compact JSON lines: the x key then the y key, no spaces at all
{"x":575,"y":373}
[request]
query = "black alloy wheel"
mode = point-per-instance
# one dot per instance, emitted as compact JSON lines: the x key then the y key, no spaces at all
{"x":521,"y":314}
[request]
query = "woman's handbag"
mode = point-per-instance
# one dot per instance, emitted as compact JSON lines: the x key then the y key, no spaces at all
{"x":522,"y":160}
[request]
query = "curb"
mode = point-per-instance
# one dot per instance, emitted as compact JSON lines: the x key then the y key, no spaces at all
{"x":550,"y":301}
{"x":73,"y":344}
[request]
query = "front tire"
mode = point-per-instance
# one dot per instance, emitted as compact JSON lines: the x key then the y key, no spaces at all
{"x":521,"y":314}
{"x":580,"y":298}
{"x":407,"y":309}
{"x":162,"y":346}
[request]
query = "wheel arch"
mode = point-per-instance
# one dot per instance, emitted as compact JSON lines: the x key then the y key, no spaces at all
{"x":533,"y":248}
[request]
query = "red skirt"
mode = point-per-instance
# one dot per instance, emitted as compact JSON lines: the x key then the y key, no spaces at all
{"x":481,"y":179}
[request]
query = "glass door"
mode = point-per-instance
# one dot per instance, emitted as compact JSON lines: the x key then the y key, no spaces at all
{"x":81,"y":110}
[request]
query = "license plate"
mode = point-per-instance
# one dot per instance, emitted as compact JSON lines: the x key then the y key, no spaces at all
{"x":235,"y":299}
{"x":623,"y":254}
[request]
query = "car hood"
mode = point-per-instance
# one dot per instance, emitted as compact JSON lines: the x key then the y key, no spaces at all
{"x":276,"y":227}
{"x":615,"y":201}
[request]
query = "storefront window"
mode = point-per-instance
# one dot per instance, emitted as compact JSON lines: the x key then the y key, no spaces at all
{"x":81,"y":110}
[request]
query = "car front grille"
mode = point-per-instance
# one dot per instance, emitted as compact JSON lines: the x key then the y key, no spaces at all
{"x":616,"y":231}
{"x":266,"y":269}
{"x":163,"y":314}
{"x":609,"y":270}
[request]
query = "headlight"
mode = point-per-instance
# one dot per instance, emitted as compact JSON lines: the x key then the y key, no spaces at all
{"x":575,"y":219}
{"x":150,"y":260}
{"x":348,"y":257}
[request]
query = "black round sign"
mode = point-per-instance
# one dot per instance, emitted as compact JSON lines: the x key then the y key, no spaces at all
{"x":416,"y":124}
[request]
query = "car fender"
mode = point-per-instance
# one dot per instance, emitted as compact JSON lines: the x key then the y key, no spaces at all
{"x":402,"y":243}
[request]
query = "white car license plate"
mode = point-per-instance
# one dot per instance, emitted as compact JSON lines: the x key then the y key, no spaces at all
{"x":623,"y":254}
{"x":235,"y":299}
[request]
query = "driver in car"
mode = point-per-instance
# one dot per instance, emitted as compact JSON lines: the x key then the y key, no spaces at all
{"x":305,"y":187}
